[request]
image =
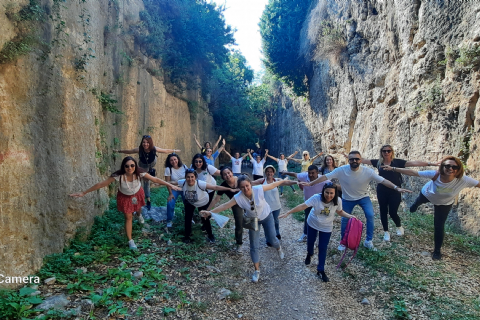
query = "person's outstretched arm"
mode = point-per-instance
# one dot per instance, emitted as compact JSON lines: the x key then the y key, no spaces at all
{"x":97,"y":186}
{"x":408,"y":172}
{"x":291,"y":174}
{"x":318,"y":155}
{"x":265,"y":157}
{"x":198,"y":143}
{"x":127,"y":151}
{"x":390,"y":185}
{"x":314,"y":182}
{"x":220,"y":208}
{"x":214,"y":201}
{"x":167,"y":150}
{"x":216,"y":143}
{"x":281,"y":182}
{"x":162,"y":182}
{"x":300,"y":207}
{"x":417,"y":163}
{"x":271,"y":157}
{"x":228,"y":154}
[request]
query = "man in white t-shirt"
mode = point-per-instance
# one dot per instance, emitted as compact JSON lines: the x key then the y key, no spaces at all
{"x":236,"y":162}
{"x":354,"y":180}
{"x":308,"y":191}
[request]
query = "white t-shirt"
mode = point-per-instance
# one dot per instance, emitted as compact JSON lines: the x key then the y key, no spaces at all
{"x":207,"y":176}
{"x":196,"y":194}
{"x":129,"y":188}
{"x":175,"y":174}
{"x":354,"y":183}
{"x":258,"y":167}
{"x":236,"y":165}
{"x":261,"y":207}
{"x":322,"y":215}
{"x":440,"y":193}
{"x":282,"y":165}
{"x":273,"y":197}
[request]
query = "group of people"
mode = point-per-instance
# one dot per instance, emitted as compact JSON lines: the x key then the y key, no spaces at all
{"x":256,"y":202}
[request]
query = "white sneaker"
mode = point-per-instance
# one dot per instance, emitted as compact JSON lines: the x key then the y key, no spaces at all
{"x":386,"y":236}
{"x":256,"y":276}
{"x":280,"y":253}
{"x":303,"y":238}
{"x":169,"y":224}
{"x":140,"y":218}
{"x":131,"y":245}
{"x":193,"y":222}
{"x":400,"y":231}
{"x":341,"y":247}
{"x":369,"y":245}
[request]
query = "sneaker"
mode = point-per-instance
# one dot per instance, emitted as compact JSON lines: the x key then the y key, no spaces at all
{"x":281,"y":195}
{"x":169,"y":224}
{"x":131,"y":245}
{"x":341,"y":247}
{"x":279,"y":237}
{"x":386,"y":236}
{"x":294,"y":191}
{"x":268,"y":244}
{"x":303,"y":238}
{"x":186,"y":240}
{"x":149,"y":205}
{"x":413,"y":208}
{"x":436,"y":256}
{"x":140,"y":218}
{"x":280,"y":253}
{"x":400,"y":231}
{"x":308,"y":259}
{"x":211,"y":238}
{"x":256,"y":276}
{"x":323,"y":276}
{"x":369,"y":245}
{"x":238,"y":248}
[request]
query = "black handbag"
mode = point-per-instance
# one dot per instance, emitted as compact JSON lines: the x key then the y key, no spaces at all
{"x":152,"y":172}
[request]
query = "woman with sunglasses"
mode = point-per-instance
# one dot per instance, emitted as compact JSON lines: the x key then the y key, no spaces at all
{"x":210,"y":157}
{"x":130,"y":195}
{"x":174,"y":171}
{"x":282,"y":166}
{"x":252,"y":200}
{"x":320,"y":221}
{"x":205,"y":173}
{"x":441,"y":191}
{"x":207,"y":144}
{"x":258,"y":163}
{"x":306,"y":161}
{"x":147,"y":154}
{"x":389,"y":199}
{"x":195,"y":195}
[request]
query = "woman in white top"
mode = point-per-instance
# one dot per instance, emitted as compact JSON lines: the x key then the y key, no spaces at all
{"x":205,"y":173}
{"x":236,"y":162}
{"x":252,"y":200}
{"x":320,"y":221}
{"x":282,"y":166}
{"x":195,"y":195}
{"x":441,"y":191}
{"x":174,"y":171}
{"x":258,"y":165}
{"x":130,"y":195}
{"x":272,"y":197}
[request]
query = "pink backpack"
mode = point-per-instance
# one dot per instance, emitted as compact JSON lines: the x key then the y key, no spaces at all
{"x":351,"y":238}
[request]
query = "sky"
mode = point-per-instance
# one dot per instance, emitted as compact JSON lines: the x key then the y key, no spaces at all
{"x":244,"y":15}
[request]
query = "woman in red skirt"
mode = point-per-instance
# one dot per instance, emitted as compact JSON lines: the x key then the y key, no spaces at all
{"x":130,"y":196}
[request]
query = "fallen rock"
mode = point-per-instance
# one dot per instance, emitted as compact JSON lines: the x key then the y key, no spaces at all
{"x":138,"y":274}
{"x":57,"y":302}
{"x":50,"y":281}
{"x":215,"y":269}
{"x":223,"y":293}
{"x":362,"y":290}
{"x":365,"y":301}
{"x":36,"y":293}
{"x":425,"y":253}
{"x":34,"y":287}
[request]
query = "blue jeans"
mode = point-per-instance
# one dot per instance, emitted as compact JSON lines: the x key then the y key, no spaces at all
{"x":323,"y":240}
{"x":269,"y":229}
{"x":367,"y":208}
{"x":171,"y":204}
{"x":275,"y":215}
{"x":145,"y":182}
{"x":283,"y":176}
{"x":237,"y":174}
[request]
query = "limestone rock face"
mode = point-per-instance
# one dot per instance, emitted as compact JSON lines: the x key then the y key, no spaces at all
{"x":55,"y":136}
{"x":408,"y":76}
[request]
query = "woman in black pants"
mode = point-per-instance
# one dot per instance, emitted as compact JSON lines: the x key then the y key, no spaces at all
{"x":195,"y":195}
{"x":441,"y":191}
{"x":389,"y":199}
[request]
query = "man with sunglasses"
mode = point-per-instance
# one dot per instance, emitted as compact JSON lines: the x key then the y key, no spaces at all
{"x":355,"y":180}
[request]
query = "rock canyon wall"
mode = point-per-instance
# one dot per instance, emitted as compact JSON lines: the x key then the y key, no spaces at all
{"x":57,"y":128}
{"x":403,"y":72}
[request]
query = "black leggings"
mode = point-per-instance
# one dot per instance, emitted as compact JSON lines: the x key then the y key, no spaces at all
{"x":256,"y":176}
{"x":389,"y":201}
{"x":440,"y":214}
{"x":189,"y":211}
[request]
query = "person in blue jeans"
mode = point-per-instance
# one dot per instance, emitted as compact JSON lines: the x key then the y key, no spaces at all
{"x":252,"y":200}
{"x":355,"y":180}
{"x":174,"y":171}
{"x":320,"y":222}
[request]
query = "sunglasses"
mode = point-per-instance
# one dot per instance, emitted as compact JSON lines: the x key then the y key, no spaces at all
{"x":354,"y":160}
{"x":198,"y":161}
{"x":447,"y":166}
{"x":386,"y":151}
{"x":144,"y":137}
{"x":190,"y":171}
{"x":129,"y":166}
{"x":252,"y":205}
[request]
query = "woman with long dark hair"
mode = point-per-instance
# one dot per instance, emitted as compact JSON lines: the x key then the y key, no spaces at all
{"x":320,"y":222}
{"x":388,"y":199}
{"x":130,"y":195}
{"x":327,"y":167}
{"x":444,"y":185}
{"x":207,"y":144}
{"x":174,"y":171}
{"x":147,"y":154}
{"x":205,"y":173}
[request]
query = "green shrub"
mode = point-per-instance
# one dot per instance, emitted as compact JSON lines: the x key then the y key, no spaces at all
{"x":108,"y":103}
